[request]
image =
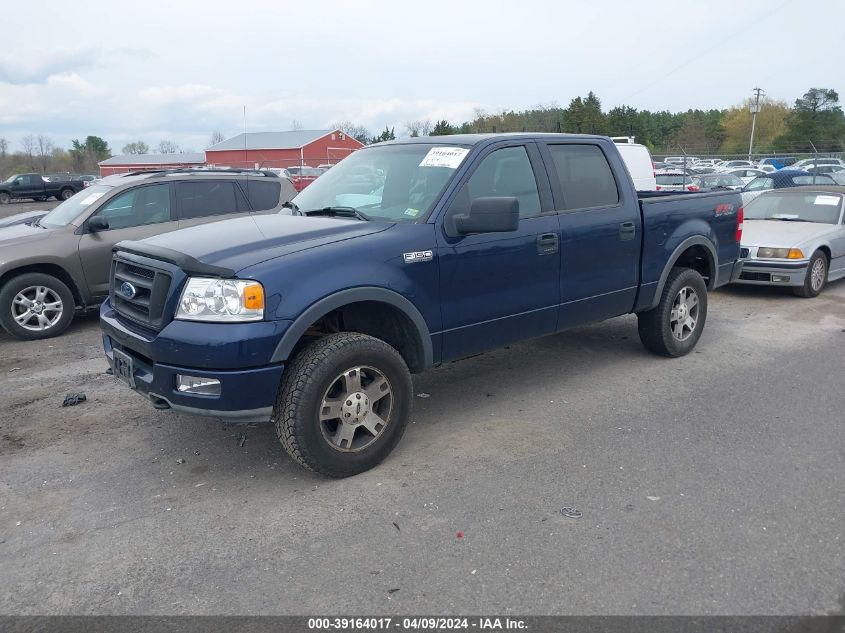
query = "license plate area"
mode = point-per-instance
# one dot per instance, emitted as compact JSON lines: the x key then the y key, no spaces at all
{"x":124,"y":368}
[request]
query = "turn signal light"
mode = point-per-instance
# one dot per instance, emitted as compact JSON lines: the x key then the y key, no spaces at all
{"x":795,"y":253}
{"x":254,"y":297}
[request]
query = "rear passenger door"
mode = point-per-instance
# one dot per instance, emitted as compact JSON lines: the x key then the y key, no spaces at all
{"x":205,"y":200}
{"x":600,"y":230}
{"x":500,"y":287}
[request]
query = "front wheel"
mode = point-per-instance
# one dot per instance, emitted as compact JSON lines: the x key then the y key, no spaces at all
{"x":816,"y":277}
{"x":5,"y":198}
{"x":35,"y":306}
{"x":343,"y":404}
{"x":675,"y":325}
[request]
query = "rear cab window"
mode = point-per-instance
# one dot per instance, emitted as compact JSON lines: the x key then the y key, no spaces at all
{"x":584,"y":176}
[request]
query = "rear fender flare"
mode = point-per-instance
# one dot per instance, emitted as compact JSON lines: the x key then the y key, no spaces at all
{"x":695,"y":240}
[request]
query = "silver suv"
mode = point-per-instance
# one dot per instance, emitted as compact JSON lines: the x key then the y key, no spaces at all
{"x":53,"y":265}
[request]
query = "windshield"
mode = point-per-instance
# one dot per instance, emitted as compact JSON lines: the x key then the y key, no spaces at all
{"x":68,"y":210}
{"x":389,"y":182}
{"x":822,"y":208}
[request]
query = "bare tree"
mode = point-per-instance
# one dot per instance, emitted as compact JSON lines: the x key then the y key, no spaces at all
{"x":358,"y":132}
{"x":44,"y":147}
{"x":28,"y":143}
{"x":168,"y":147}
{"x":136,"y":147}
{"x":419,"y":128}
{"x":216,"y":137}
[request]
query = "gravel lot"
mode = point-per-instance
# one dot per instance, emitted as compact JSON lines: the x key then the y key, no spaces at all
{"x":20,"y":206}
{"x":711,"y":484}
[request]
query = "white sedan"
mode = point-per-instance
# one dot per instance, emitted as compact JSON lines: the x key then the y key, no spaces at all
{"x":745,"y":174}
{"x":794,"y":237}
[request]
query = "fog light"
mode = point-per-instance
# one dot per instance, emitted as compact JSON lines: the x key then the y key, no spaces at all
{"x":195,"y":384}
{"x":780,"y":278}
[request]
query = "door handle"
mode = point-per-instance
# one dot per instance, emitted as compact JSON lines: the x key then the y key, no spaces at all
{"x":547,"y":243}
{"x":627,"y":230}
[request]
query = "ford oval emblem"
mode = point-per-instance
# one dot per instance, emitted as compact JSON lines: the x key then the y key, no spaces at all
{"x":128,"y":290}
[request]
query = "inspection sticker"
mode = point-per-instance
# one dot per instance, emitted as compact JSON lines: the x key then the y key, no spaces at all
{"x":449,"y":157}
{"x":833,"y":200}
{"x":412,"y":212}
{"x":91,"y":199}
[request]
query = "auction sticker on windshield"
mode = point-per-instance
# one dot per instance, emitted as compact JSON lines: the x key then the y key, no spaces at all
{"x":832,"y":200}
{"x":449,"y":157}
{"x":91,"y":199}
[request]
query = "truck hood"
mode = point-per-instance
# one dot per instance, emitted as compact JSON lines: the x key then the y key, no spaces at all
{"x":246,"y":241}
{"x":781,"y":234}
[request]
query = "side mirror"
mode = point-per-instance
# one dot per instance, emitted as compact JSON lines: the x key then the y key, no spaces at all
{"x":97,"y":224}
{"x":490,"y":215}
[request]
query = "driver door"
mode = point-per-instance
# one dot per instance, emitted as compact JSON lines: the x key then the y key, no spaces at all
{"x":140,"y":212}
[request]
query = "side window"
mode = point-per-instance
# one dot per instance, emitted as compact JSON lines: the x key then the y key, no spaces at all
{"x":262,"y":194}
{"x":205,"y":198}
{"x":759,"y":183}
{"x":137,"y":207}
{"x":505,"y":172}
{"x":585,"y":176}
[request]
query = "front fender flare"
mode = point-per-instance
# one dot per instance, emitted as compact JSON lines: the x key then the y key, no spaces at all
{"x":354,"y":295}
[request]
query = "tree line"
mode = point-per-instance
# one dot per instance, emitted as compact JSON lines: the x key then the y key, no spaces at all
{"x":814,"y":122}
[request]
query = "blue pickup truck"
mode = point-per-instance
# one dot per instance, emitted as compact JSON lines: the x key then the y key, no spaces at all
{"x":404,"y":256}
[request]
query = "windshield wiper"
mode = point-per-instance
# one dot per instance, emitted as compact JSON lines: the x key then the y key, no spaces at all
{"x":340,"y":212}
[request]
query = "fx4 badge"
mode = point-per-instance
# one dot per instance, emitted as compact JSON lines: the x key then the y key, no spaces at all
{"x":724,"y":209}
{"x":419,"y":256}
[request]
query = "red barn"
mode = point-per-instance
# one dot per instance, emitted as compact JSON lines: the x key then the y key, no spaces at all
{"x":260,"y":150}
{"x":148,"y":162}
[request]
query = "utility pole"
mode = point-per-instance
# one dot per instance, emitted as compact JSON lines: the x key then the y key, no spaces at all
{"x":755,"y":108}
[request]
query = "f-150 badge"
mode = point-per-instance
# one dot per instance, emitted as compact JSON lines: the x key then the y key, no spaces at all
{"x":419,"y":256}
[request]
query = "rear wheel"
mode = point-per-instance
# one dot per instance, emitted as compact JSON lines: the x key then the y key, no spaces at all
{"x":816,"y":278}
{"x":344,"y":404}
{"x":36,"y":306}
{"x":64,"y":194}
{"x":675,"y":325}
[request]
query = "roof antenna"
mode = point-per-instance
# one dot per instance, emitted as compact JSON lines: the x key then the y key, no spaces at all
{"x":246,"y":161}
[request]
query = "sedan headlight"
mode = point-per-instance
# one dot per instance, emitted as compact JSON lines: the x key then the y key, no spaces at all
{"x":221,"y":300}
{"x":764,"y":252}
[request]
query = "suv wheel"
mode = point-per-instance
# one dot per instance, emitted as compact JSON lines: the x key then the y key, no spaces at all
{"x":5,"y":198}
{"x":64,"y":194}
{"x":344,"y":404}
{"x":675,"y":325}
{"x":35,"y":306}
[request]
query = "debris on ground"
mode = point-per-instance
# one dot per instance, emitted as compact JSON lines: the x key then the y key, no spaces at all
{"x":393,"y":590}
{"x":110,"y":371}
{"x":396,"y":525}
{"x":650,"y":498}
{"x":422,"y":394}
{"x":181,"y":460}
{"x":73,"y":399}
{"x":571,"y":512}
{"x":242,"y":439}
{"x":14,"y":369}
{"x":459,"y":535}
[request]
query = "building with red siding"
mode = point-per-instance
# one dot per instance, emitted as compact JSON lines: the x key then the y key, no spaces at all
{"x":263,"y":150}
{"x":149,"y":162}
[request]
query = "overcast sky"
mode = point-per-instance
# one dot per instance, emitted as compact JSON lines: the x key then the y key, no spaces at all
{"x":178,"y":70}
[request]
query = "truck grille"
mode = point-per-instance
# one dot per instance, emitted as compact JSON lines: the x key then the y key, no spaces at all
{"x":139,"y":292}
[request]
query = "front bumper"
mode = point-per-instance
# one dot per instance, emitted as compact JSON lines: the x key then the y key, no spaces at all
{"x":246,"y":394}
{"x":769,"y":273}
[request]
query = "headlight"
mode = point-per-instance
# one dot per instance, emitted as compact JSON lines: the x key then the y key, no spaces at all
{"x":764,"y":252}
{"x":221,"y":300}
